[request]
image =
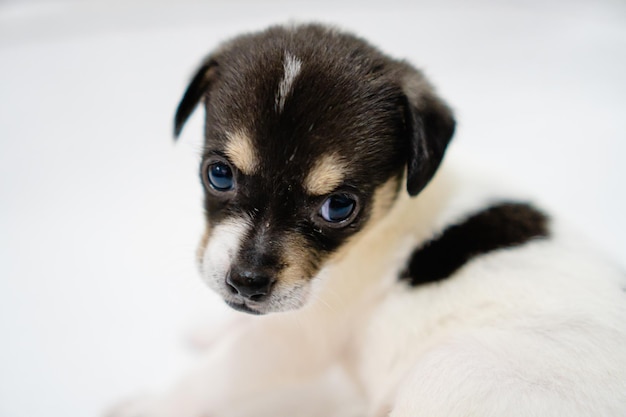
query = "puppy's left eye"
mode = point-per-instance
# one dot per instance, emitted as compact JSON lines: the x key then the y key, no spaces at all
{"x":338,"y":209}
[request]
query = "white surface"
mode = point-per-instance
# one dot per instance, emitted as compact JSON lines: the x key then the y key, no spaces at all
{"x":100,"y":212}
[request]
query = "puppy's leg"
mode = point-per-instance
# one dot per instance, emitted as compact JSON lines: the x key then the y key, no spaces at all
{"x":258,"y":369}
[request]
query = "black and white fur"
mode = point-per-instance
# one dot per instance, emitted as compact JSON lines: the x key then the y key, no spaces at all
{"x":440,"y":295}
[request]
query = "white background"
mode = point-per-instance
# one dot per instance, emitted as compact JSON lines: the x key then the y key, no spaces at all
{"x":100,"y":212}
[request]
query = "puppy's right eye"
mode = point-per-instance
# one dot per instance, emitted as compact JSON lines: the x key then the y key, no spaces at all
{"x":220,"y":176}
{"x":339,"y":210}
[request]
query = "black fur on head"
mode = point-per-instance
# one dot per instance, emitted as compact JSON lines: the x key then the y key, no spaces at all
{"x":429,"y":122}
{"x":288,"y":99}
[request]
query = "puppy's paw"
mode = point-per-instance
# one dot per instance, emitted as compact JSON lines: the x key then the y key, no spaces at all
{"x":138,"y":406}
{"x":205,"y":333}
{"x":153,"y":406}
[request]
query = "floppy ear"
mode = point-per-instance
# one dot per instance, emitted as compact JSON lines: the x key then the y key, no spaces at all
{"x":429,"y":126}
{"x":197,"y":88}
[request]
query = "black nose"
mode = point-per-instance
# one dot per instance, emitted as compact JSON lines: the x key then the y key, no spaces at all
{"x":252,"y":285}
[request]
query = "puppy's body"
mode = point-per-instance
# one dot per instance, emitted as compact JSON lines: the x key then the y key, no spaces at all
{"x":462,"y":301}
{"x":534,"y":330}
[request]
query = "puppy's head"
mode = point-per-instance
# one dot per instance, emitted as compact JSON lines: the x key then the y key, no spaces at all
{"x":309,"y":133}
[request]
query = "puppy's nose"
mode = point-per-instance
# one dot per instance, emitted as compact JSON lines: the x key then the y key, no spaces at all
{"x":252,"y":285}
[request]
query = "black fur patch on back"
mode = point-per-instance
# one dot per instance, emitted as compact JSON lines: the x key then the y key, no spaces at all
{"x":501,"y":226}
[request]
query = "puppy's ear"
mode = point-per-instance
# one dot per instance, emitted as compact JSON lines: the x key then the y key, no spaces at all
{"x":429,"y":126}
{"x":197,"y":88}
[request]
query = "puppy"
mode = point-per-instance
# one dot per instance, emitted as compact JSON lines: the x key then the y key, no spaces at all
{"x":430,"y":295}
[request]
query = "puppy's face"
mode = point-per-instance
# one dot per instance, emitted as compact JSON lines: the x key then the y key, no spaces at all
{"x":308,"y":134}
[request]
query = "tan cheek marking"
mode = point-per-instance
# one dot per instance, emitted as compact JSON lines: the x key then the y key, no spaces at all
{"x":325,"y":175}
{"x":241,"y":152}
{"x":384,"y":198}
{"x":298,"y":259}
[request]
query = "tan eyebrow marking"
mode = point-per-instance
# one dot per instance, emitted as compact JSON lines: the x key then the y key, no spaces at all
{"x":326,"y":175}
{"x":240,"y":150}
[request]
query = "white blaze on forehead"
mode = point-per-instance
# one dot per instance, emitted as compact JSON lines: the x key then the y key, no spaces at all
{"x":327,"y":173}
{"x":222,"y":248}
{"x":291,"y":68}
{"x":241,"y":152}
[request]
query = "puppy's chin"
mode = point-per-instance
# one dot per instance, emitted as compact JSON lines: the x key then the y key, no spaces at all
{"x":243,"y":307}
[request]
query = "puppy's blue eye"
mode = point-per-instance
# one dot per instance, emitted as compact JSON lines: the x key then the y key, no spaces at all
{"x":338,"y":208}
{"x":220,"y":176}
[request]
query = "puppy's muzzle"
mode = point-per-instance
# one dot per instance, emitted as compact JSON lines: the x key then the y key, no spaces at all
{"x":253,"y":285}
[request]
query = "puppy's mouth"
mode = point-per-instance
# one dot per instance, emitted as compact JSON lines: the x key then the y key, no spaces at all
{"x":243,"y":307}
